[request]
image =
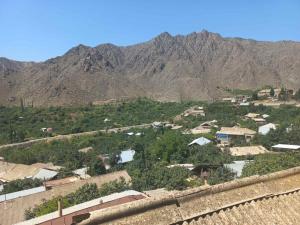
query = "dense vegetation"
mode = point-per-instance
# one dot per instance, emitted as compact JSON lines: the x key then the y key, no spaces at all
{"x":155,"y":148}
{"x":264,"y":164}
{"x":85,"y":193}
{"x":19,"y":185}
{"x":17,"y":124}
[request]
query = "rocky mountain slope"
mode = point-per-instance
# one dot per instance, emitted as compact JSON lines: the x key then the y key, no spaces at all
{"x":167,"y":67}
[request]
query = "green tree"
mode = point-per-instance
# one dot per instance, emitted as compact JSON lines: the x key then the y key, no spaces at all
{"x":161,"y":177}
{"x":96,"y":167}
{"x":283,"y":95}
{"x":254,"y":96}
{"x":272,"y":92}
{"x":19,"y":185}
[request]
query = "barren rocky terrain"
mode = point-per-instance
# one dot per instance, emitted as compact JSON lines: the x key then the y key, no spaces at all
{"x":195,"y":66}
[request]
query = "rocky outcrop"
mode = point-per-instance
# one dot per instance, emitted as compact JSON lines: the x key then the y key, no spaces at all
{"x":167,"y":67}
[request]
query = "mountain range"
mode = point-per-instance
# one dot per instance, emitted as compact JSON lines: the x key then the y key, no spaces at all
{"x":197,"y":66}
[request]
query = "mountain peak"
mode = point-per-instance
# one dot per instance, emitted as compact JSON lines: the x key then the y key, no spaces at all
{"x":78,"y":50}
{"x":164,"y":36}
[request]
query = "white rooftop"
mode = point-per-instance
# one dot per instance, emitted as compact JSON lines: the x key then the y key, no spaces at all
{"x":237,"y":166}
{"x":200,"y":141}
{"x":126,"y":156}
{"x":265,"y":129}
{"x":18,"y":194}
{"x":286,"y":146}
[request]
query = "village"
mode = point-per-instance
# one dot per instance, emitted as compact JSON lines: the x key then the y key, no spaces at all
{"x":200,"y":145}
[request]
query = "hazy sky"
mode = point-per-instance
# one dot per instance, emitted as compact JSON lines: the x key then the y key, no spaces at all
{"x":40,"y":29}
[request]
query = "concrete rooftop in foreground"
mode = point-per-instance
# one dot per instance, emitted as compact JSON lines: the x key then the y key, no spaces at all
{"x":268,"y":199}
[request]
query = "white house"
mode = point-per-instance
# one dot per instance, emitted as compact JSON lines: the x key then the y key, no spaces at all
{"x":265,"y":129}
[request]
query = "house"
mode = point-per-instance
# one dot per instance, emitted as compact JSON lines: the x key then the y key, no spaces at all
{"x":71,"y":213}
{"x":227,"y":134}
{"x":267,"y":92}
{"x":200,"y":130}
{"x":248,"y":150}
{"x":252,"y":115}
{"x":194,"y":111}
{"x":82,"y":173}
{"x":204,"y":127}
{"x":209,"y":124}
{"x":245,"y":104}
{"x":229,"y":99}
{"x":11,"y":171}
{"x":277,"y":91}
{"x":200,"y":141}
{"x":259,"y":121}
{"x":44,"y":174}
{"x":255,"y":117}
{"x":126,"y":156}
{"x":265,"y":129}
{"x":286,"y":147}
{"x":242,"y":98}
{"x":264,"y":93}
{"x":237,"y":166}
{"x":157,"y":124}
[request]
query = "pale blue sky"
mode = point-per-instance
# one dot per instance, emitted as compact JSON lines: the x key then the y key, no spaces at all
{"x":35,"y":30}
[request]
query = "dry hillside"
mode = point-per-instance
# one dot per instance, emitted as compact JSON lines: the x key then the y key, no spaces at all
{"x":165,"y":68}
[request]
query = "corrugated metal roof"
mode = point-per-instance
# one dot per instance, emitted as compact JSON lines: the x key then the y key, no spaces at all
{"x":81,"y":206}
{"x":237,"y":166}
{"x":286,"y":146}
{"x":18,"y":194}
{"x":45,"y":174}
{"x":266,"y":128}
{"x":200,"y":141}
{"x":13,"y":211}
{"x":126,"y":156}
